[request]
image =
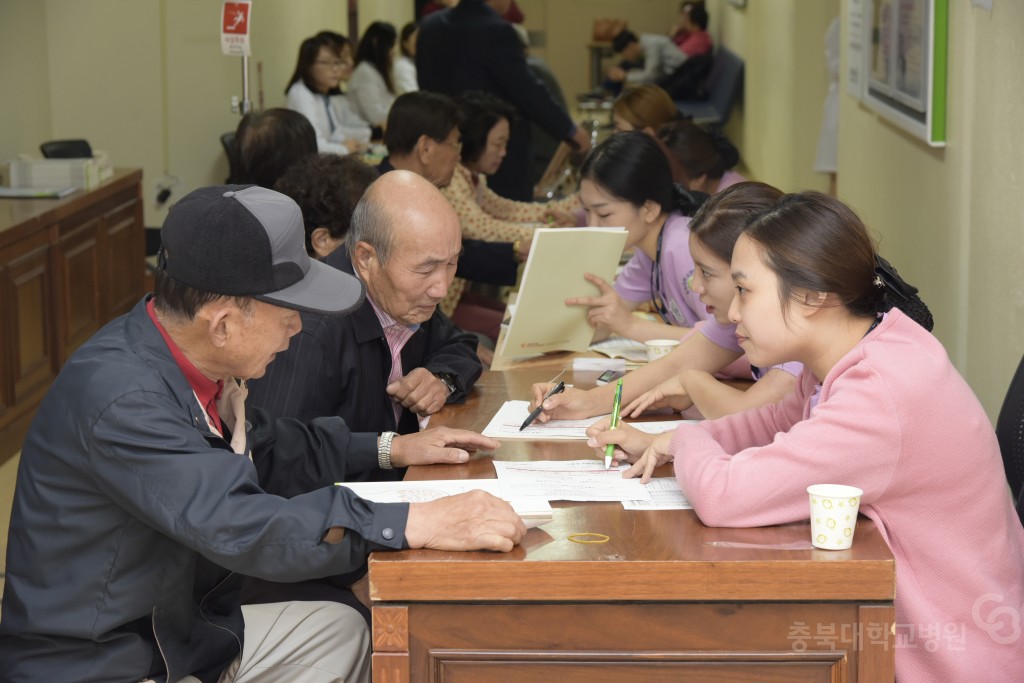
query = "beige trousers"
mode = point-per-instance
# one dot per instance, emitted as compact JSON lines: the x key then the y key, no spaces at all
{"x":301,"y":642}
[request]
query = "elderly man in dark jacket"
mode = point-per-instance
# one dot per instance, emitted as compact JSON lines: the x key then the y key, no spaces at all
{"x":397,"y":359}
{"x":146,"y":488}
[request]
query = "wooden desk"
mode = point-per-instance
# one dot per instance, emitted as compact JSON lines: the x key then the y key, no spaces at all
{"x":654,"y":603}
{"x":67,"y":266}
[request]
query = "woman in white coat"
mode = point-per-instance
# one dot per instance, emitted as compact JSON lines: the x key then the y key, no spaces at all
{"x":325,"y":61}
{"x":372,"y":89}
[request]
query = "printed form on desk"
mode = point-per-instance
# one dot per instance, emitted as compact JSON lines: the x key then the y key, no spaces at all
{"x":665,"y":494}
{"x":533,"y":509}
{"x":579,"y":480}
{"x":506,"y":422}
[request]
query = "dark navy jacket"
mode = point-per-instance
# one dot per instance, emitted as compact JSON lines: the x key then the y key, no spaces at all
{"x":131,"y":519}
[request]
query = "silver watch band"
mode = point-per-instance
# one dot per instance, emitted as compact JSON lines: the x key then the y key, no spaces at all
{"x":384,"y":450}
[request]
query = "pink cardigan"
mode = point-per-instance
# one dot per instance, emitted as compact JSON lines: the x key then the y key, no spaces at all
{"x":895,"y":419}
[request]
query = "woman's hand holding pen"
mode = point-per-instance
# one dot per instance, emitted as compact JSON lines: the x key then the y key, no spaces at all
{"x":608,"y":310}
{"x":571,"y":404}
{"x":670,"y":393}
{"x":630,"y":443}
{"x":645,"y":451}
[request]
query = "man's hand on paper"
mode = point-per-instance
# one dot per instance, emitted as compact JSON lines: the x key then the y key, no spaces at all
{"x":440,"y":445}
{"x":608,"y":311}
{"x":571,"y":404}
{"x":419,"y":391}
{"x":475,"y":520}
{"x":629,"y":442}
{"x":670,"y":393}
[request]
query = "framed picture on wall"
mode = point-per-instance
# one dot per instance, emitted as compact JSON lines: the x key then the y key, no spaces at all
{"x":905,"y":65}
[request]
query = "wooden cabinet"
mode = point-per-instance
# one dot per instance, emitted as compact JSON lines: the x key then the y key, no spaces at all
{"x":66,"y":267}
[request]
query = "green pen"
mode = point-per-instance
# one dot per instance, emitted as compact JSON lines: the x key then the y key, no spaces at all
{"x":616,"y":405}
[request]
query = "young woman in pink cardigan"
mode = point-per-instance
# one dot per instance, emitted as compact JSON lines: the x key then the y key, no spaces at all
{"x":879,"y":406}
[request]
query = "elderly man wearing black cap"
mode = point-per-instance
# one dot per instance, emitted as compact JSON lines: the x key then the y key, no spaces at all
{"x":145,"y":486}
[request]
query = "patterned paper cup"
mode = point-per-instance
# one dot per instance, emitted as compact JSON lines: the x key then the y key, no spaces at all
{"x":833,"y":515}
{"x":656,"y":348}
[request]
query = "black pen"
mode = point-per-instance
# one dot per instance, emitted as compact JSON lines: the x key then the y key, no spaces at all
{"x":557,"y":389}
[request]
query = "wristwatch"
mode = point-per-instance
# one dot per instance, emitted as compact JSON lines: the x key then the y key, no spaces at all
{"x":384,"y":450}
{"x":449,"y":381}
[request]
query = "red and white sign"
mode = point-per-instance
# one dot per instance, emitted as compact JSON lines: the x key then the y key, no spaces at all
{"x":234,"y":28}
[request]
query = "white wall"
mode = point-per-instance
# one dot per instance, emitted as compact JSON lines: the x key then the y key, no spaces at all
{"x":144,"y":80}
{"x":950,"y":219}
{"x":24,"y":68}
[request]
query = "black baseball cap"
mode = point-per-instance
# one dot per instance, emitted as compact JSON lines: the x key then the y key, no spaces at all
{"x":246,"y":240}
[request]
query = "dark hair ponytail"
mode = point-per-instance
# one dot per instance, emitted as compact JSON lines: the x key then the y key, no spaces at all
{"x":632,"y":166}
{"x":687,"y":202}
{"x":698,"y":150}
{"x":898,"y":293}
{"x":728,"y":155}
{"x":815,"y":243}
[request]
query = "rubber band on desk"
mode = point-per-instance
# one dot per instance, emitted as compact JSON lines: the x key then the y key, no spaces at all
{"x":589,"y":537}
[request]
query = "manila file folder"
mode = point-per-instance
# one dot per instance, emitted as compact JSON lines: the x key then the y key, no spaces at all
{"x":558,"y":260}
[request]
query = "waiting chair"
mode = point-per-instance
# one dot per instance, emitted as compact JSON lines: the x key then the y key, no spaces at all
{"x":1010,"y":432}
{"x":725,"y":85}
{"x":66,"y":149}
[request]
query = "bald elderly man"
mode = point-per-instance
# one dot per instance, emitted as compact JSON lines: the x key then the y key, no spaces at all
{"x":397,"y":358}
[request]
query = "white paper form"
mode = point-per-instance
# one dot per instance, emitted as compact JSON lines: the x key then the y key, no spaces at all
{"x":665,"y":494}
{"x":583,"y":480}
{"x":659,"y":427}
{"x":506,"y":422}
{"x":533,"y":509}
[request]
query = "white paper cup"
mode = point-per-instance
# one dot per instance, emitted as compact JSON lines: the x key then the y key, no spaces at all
{"x":833,"y":515}
{"x":656,"y":348}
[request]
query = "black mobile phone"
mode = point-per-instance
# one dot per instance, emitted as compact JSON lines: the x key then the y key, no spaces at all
{"x":608,"y":376}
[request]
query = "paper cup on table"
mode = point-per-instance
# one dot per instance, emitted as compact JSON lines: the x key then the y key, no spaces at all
{"x":656,"y":348}
{"x":833,"y":515}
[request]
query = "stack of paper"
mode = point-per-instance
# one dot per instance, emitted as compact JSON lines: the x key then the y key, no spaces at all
{"x":534,"y":510}
{"x":48,"y":173}
{"x":36,"y":192}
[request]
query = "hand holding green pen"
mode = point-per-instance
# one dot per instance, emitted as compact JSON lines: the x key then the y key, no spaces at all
{"x":609,"y":450}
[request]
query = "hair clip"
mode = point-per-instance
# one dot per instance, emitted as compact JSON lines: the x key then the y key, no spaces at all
{"x":878,"y":282}
{"x":891,"y":280}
